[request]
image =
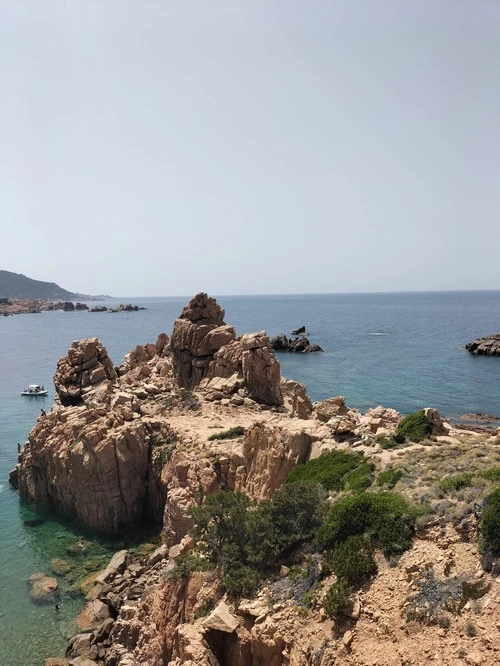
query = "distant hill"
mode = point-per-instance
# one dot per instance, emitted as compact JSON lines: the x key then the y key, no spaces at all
{"x":16,"y":285}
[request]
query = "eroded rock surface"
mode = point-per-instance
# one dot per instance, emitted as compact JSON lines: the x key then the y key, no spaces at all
{"x":199,"y":332}
{"x":86,"y":366}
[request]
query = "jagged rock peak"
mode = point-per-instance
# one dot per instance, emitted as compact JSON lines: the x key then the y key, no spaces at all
{"x":199,"y":332}
{"x":85,"y":367}
{"x":202,"y":309}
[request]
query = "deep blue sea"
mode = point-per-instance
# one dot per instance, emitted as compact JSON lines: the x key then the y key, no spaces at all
{"x":400,"y":350}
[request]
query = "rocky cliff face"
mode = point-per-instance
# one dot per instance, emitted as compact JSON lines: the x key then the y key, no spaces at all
{"x":143,"y":441}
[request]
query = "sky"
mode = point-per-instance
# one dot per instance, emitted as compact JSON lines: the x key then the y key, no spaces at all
{"x":157,"y":148}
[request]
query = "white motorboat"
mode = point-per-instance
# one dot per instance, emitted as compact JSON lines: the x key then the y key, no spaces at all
{"x":34,"y":389}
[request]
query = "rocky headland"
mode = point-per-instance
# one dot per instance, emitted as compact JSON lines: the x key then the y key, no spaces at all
{"x":489,"y":345}
{"x":205,"y":414}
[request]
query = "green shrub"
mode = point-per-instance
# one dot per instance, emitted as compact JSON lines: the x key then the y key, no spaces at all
{"x":387,"y":442}
{"x":246,"y":538}
{"x":353,"y":560}
{"x":230,"y":433}
{"x":491,"y":474}
{"x":186,"y":564}
{"x":335,"y":602}
{"x":386,"y":517}
{"x":489,"y":530}
{"x":220,"y":527}
{"x":456,"y":482}
{"x":414,"y":427}
{"x":389,"y":477}
{"x":360,"y":478}
{"x":289,"y":518}
{"x":333,"y":470}
{"x":241,"y":580}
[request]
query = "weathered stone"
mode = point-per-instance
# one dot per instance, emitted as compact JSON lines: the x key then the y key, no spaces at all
{"x":73,"y":379}
{"x":198,"y":333}
{"x":116,"y":566}
{"x":221,"y":619}
{"x":94,"y":613}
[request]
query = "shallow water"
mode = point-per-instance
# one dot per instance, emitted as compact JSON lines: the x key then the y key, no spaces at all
{"x":399,"y":350}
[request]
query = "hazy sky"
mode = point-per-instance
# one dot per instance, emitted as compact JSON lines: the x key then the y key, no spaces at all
{"x":254,"y":146}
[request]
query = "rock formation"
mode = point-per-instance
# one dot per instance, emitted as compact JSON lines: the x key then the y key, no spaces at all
{"x":198,"y":333}
{"x":489,"y":345}
{"x":138,"y":443}
{"x":302,"y":345}
{"x":86,"y":366}
{"x":249,"y":363}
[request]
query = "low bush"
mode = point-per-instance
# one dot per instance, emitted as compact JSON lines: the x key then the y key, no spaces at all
{"x":387,"y":442}
{"x":230,"y":433}
{"x":491,"y":474}
{"x":389,"y":477}
{"x":246,"y":539}
{"x":353,"y":560}
{"x":186,"y":564}
{"x":360,"y":478}
{"x":241,"y":580}
{"x":334,"y":470}
{"x":456,"y":482}
{"x":414,"y":427}
{"x":386,"y":517}
{"x":489,"y":529}
{"x":335,"y":601}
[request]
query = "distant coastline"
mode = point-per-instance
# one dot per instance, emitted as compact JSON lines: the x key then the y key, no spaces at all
{"x":14,"y":306}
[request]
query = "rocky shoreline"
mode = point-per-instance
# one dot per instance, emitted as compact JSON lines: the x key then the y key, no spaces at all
{"x":14,"y":306}
{"x":204,"y":411}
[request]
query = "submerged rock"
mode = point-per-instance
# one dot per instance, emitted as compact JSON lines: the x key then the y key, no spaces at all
{"x":44,"y":589}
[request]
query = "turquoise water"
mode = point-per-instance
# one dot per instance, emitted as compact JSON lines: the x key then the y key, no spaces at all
{"x":400,"y":350}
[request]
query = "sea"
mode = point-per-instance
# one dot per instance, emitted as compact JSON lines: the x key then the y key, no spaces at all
{"x":400,"y":350}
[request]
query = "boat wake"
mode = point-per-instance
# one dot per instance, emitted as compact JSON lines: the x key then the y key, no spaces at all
{"x":379,"y":333}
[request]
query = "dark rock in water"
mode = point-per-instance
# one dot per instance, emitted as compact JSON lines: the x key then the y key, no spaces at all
{"x":14,"y":477}
{"x":68,"y":306}
{"x":483,"y":418}
{"x":81,"y":306}
{"x":489,"y":345}
{"x":34,"y":522}
{"x":282,"y":343}
{"x":99,"y":308}
{"x":300,"y":330}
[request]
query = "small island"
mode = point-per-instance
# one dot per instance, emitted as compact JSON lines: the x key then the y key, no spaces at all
{"x":489,"y":345}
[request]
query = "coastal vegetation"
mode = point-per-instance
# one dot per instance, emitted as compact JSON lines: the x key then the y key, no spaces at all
{"x":335,"y":470}
{"x":246,"y":540}
{"x":230,"y":433}
{"x":415,"y":427}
